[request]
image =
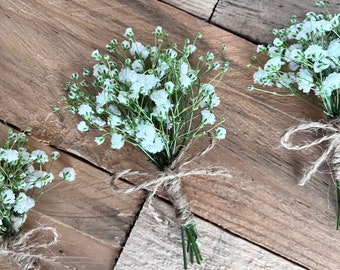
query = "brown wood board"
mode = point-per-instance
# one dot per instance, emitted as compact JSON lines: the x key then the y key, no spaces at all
{"x":255,"y":20}
{"x":43,"y":43}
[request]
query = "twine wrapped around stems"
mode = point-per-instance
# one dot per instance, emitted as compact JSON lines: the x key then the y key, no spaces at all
{"x":332,"y":153}
{"x":170,"y":181}
{"x":25,"y":248}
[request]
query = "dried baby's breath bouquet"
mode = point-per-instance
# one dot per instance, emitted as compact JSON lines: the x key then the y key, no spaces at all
{"x":153,"y":97}
{"x":22,"y":172}
{"x":305,"y":60}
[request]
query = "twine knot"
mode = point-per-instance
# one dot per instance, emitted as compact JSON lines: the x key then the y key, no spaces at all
{"x":25,"y":248}
{"x":170,"y":181}
{"x":332,"y":152}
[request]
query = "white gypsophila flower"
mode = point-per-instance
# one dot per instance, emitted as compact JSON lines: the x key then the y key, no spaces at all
{"x":293,"y":30}
{"x":286,"y":80}
{"x":137,"y":65}
{"x":139,"y":50}
{"x":32,"y":177}
{"x":126,"y":45}
{"x":335,"y":21}
{"x":191,"y":48}
{"x":161,"y":69}
{"x":154,"y":147}
{"x":17,"y":222}
{"x":159,"y":97}
{"x":129,"y":33}
{"x":127,"y":76}
{"x":207,"y":117}
{"x":277,"y":42}
{"x":10,"y":155}
{"x":159,"y":30}
{"x":148,"y":82}
{"x":113,"y":108}
{"x":99,"y":69}
{"x":310,"y":28}
{"x":123,"y":97}
{"x":261,"y":48}
{"x":169,"y":87}
{"x":55,"y":155}
{"x":207,"y":88}
{"x":296,"y":48}
{"x":7,"y":196}
{"x":98,"y":121}
{"x":96,"y":55}
{"x":184,"y":78}
{"x":99,"y":140}
{"x":315,"y":52}
{"x":262,"y":77}
{"x":117,"y":141}
{"x":172,"y":54}
{"x":274,"y":51}
{"x":331,"y":83}
{"x":39,"y":156}
{"x":333,"y":49}
{"x":43,"y":181}
{"x":68,"y":174}
{"x":273,"y":65}
{"x":114,"y":121}
{"x":103,"y":98}
{"x":85,"y":110}
{"x":321,"y":65}
{"x":220,"y":133}
{"x":23,"y":203}
{"x":304,"y":80}
{"x":82,"y":126}
{"x":24,"y":155}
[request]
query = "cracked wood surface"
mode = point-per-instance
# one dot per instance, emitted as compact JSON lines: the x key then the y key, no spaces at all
{"x":42,"y":43}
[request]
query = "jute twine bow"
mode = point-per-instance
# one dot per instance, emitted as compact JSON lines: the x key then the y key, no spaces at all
{"x":25,"y":248}
{"x":331,"y":153}
{"x":170,"y":181}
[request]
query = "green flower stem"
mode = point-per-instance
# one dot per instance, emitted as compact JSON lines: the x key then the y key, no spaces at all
{"x":338,"y":195}
{"x":189,"y":234}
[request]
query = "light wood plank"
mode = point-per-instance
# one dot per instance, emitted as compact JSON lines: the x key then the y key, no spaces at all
{"x":45,"y":42}
{"x":154,"y":245}
{"x":199,"y":8}
{"x":255,"y":20}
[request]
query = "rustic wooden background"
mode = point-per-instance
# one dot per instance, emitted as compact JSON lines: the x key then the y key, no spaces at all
{"x":257,"y":219}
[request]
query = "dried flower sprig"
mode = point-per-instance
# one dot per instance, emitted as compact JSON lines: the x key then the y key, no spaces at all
{"x":152,"y":97}
{"x":20,"y":172}
{"x":304,"y":61}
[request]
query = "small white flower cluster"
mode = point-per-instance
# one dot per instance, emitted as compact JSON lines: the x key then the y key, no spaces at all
{"x":149,"y":96}
{"x":20,"y":171}
{"x":305,"y":57}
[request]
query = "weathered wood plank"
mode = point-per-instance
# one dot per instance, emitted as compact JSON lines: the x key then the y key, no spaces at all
{"x":45,"y":42}
{"x":87,"y":213}
{"x":154,"y":245}
{"x":255,"y":20}
{"x":199,"y":8}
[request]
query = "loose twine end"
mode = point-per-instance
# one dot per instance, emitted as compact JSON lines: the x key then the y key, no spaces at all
{"x":26,"y":249}
{"x":331,"y":153}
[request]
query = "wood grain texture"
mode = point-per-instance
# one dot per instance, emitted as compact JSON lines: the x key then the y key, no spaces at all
{"x":255,"y":20}
{"x":43,"y":43}
{"x":199,"y":8}
{"x":149,"y":247}
{"x":93,"y":220}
